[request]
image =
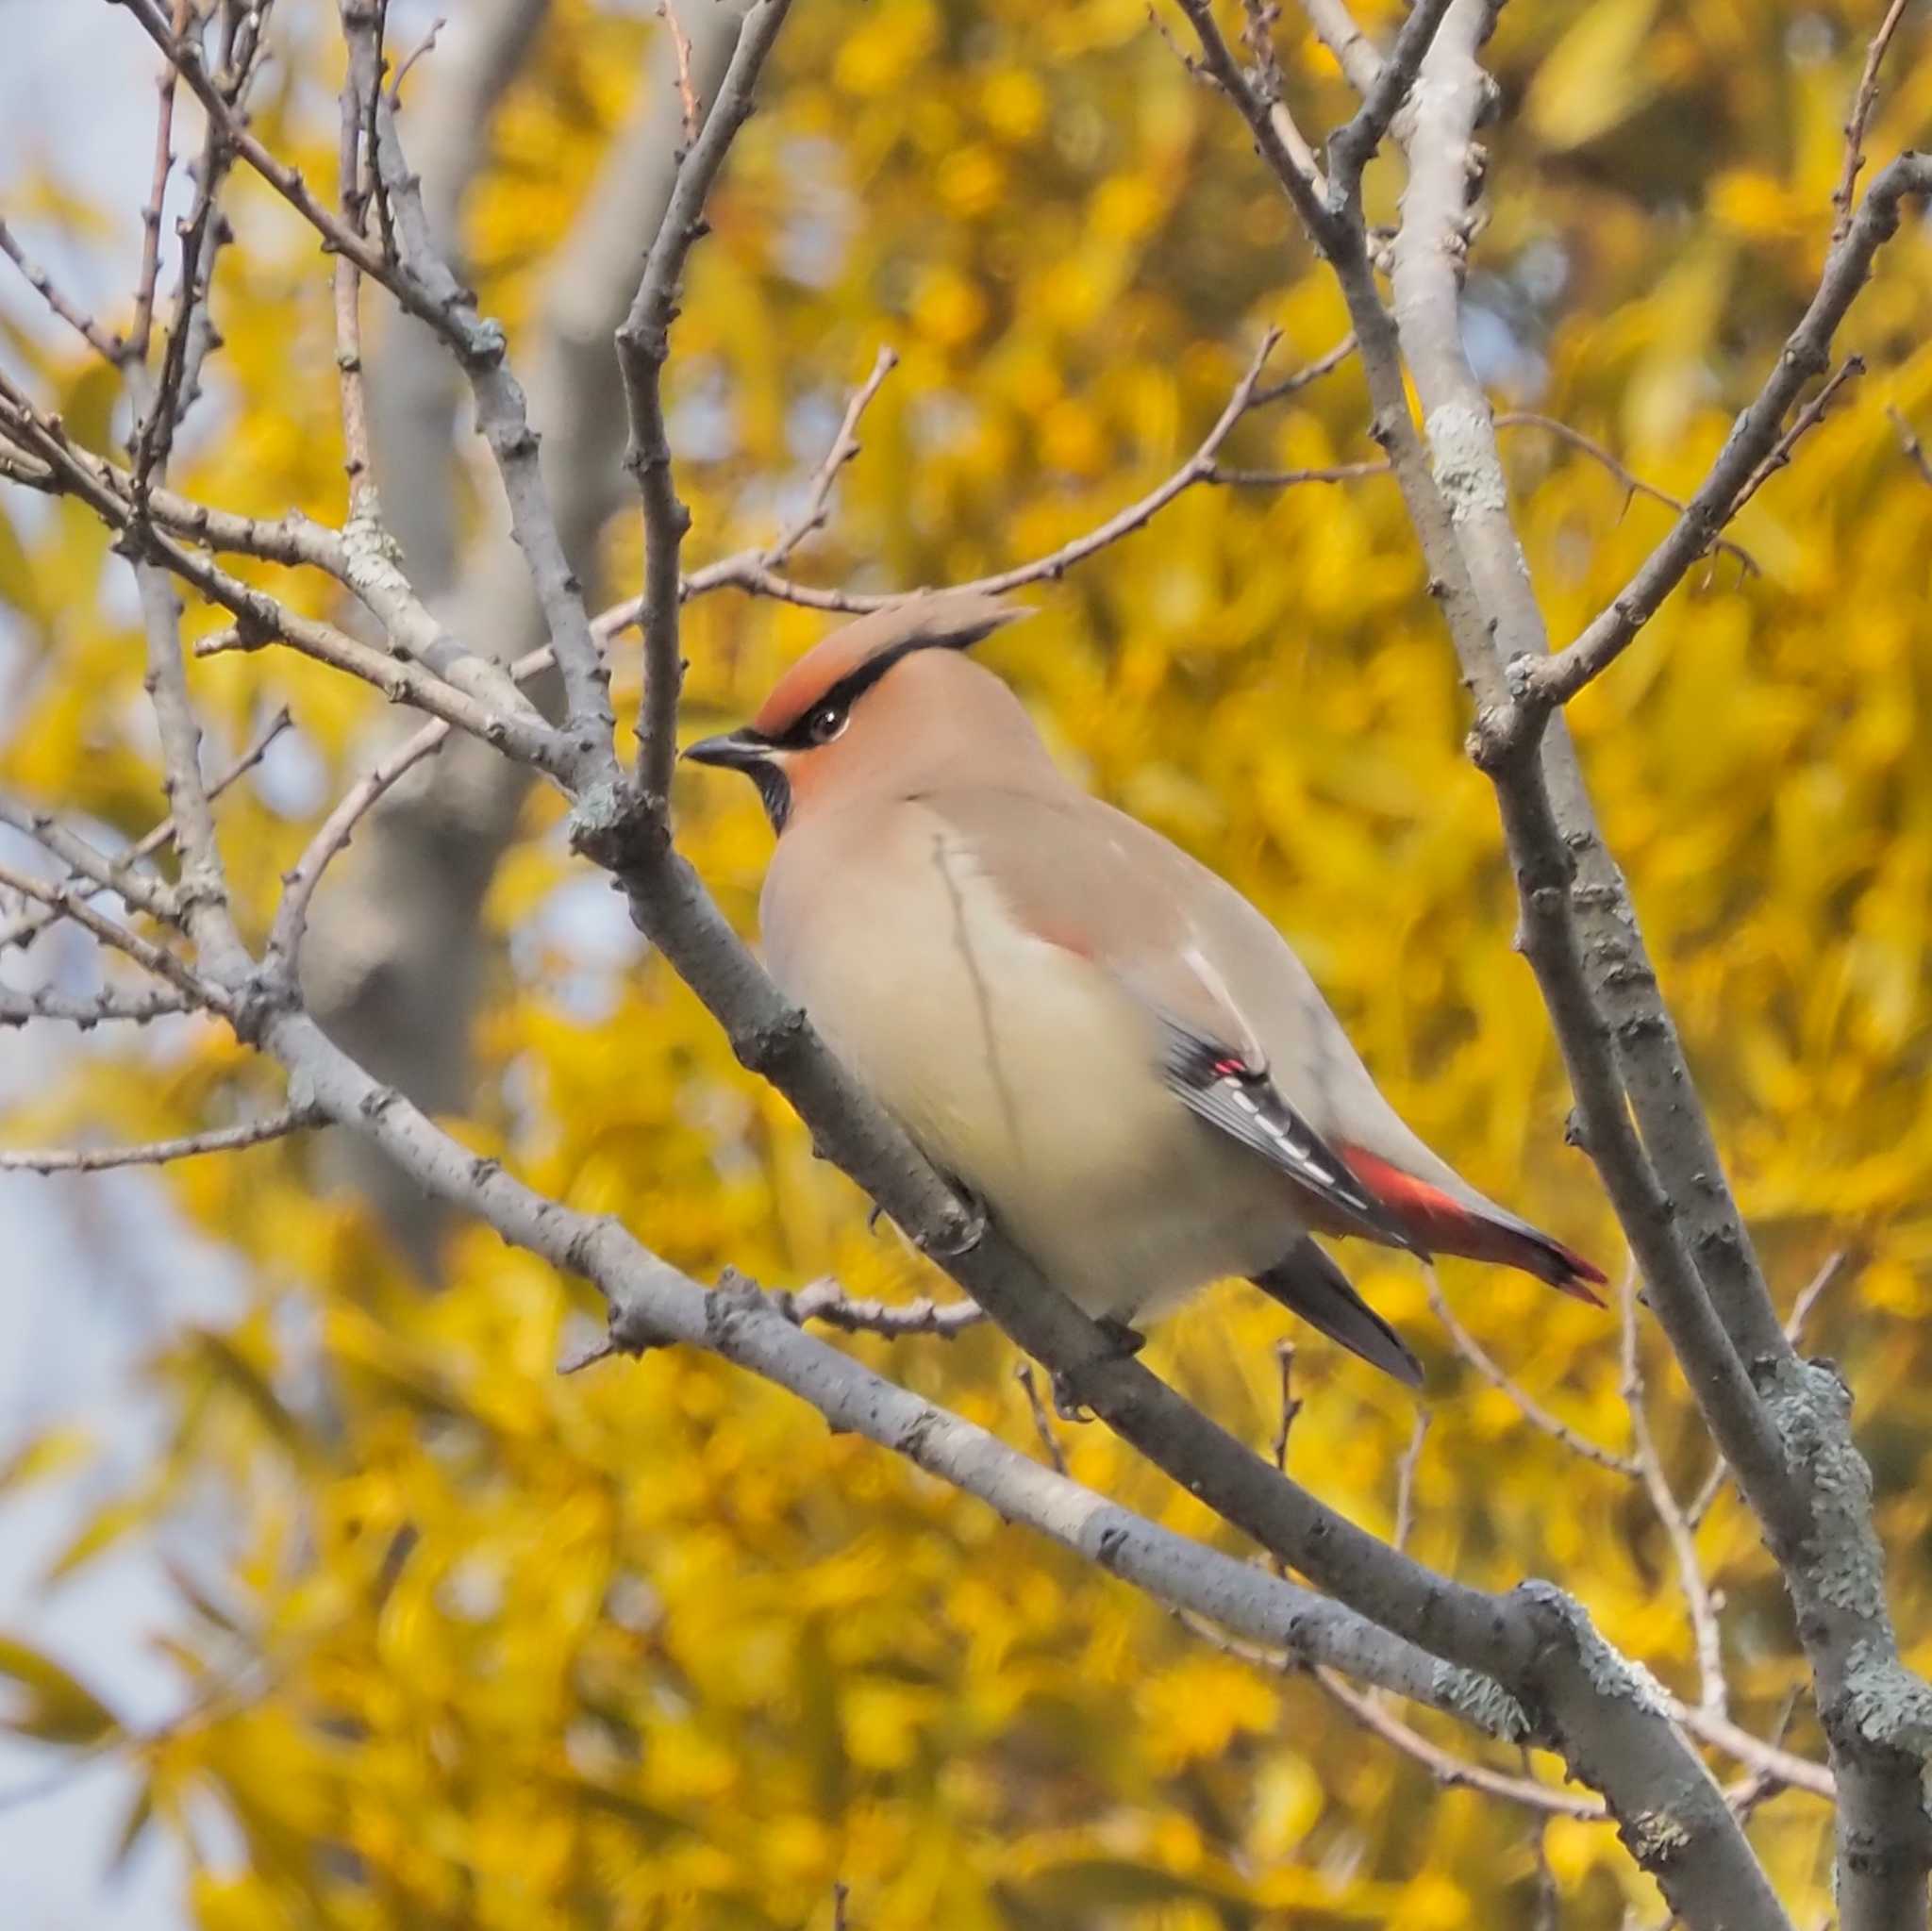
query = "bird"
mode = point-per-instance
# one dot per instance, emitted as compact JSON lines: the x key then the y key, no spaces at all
{"x":1093,"y":1035}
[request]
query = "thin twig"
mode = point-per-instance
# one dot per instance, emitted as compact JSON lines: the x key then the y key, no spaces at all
{"x":687,"y":90}
{"x":1706,"y":1630}
{"x":1806,"y":353}
{"x":1632,"y":482}
{"x":90,"y":867}
{"x":422,"y":51}
{"x":1526,"y":1403}
{"x":159,"y":1151}
{"x":136,"y":346}
{"x":826,"y":1301}
{"x":643,"y":346}
{"x":1291,"y":1405}
{"x":1042,"y":1424}
{"x":1861,"y":113}
{"x":76,"y":317}
{"x":749,"y":570}
{"x":23,"y":930}
{"x":1807,"y":418}
{"x":1298,"y":379}
{"x":69,"y":902}
{"x":1451,"y":1770}
{"x":90,"y":1010}
{"x":1404,"y":1480}
{"x":1821,"y":1284}
{"x":845,"y":446}
{"x":1909,"y":442}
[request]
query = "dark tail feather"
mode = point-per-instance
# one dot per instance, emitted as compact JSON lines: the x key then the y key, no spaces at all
{"x":1308,"y":1283}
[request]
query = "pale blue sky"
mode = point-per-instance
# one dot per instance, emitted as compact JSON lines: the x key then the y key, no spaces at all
{"x":93,"y":1271}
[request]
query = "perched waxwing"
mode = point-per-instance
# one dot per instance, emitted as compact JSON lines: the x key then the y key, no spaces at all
{"x":1097,"y":1037}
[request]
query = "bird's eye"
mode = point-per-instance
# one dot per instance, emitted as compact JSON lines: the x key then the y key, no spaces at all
{"x":825,"y":724}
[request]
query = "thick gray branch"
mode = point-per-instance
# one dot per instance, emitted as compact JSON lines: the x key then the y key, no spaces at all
{"x":653,"y":1305}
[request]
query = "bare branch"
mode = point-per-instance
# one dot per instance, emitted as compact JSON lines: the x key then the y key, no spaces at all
{"x":1632,"y":482}
{"x":70,"y":902}
{"x":643,"y":345}
{"x":1043,"y":1422}
{"x":827,"y":1301}
{"x":88,"y":1010}
{"x":845,"y":446}
{"x":1453,"y":1771}
{"x":1782,"y":1426}
{"x":1353,"y":51}
{"x":1351,"y":148}
{"x":141,"y":330}
{"x":356,"y":173}
{"x":1819,"y":1284}
{"x":1861,"y":113}
{"x":439,"y":307}
{"x":1706,"y":1634}
{"x":91,"y":867}
{"x":159,"y":1153}
{"x":23,"y":930}
{"x":503,"y":418}
{"x":1909,"y":442}
{"x":1808,"y":418}
{"x":752,"y":570}
{"x":1753,"y":439}
{"x":1404,"y":1480}
{"x":653,"y":1305}
{"x":1521,"y":1399}
{"x":105,"y":345}
{"x":202,"y":895}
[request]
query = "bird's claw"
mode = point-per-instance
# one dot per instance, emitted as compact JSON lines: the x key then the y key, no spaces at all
{"x":1125,"y":1341}
{"x":970,"y":1233}
{"x":1067,"y":1405}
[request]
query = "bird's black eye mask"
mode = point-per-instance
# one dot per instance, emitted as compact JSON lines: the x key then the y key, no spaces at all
{"x":820,"y":723}
{"x":747,"y":750}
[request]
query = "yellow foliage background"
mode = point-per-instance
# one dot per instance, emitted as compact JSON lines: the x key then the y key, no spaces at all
{"x":645,"y":1647}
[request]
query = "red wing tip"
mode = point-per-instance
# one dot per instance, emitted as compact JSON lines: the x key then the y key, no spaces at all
{"x":1579,"y":1279}
{"x":1579,"y":1290}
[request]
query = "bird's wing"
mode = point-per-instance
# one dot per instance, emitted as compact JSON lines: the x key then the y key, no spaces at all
{"x":1077,"y":876}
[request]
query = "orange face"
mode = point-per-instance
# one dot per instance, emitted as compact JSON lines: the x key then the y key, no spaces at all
{"x":867,"y":701}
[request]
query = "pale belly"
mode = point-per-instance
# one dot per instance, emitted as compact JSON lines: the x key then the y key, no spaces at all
{"x":1024,"y":1071}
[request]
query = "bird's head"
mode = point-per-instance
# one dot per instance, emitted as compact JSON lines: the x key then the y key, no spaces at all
{"x":889,"y":699}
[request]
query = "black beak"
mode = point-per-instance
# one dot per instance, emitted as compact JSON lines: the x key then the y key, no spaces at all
{"x":745,"y":751}
{"x":735,"y":750}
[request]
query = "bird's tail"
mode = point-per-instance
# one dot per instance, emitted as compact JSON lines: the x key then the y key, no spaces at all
{"x":1442,"y":1225}
{"x":1307,"y":1282}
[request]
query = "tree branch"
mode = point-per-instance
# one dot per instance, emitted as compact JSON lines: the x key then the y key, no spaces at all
{"x":643,"y":345}
{"x":1806,"y":353}
{"x":652,"y":1304}
{"x":159,"y":1153}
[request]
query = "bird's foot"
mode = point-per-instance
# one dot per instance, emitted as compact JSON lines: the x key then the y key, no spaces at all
{"x":972,"y":1230}
{"x":1125,"y":1341}
{"x":1066,"y":1403}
